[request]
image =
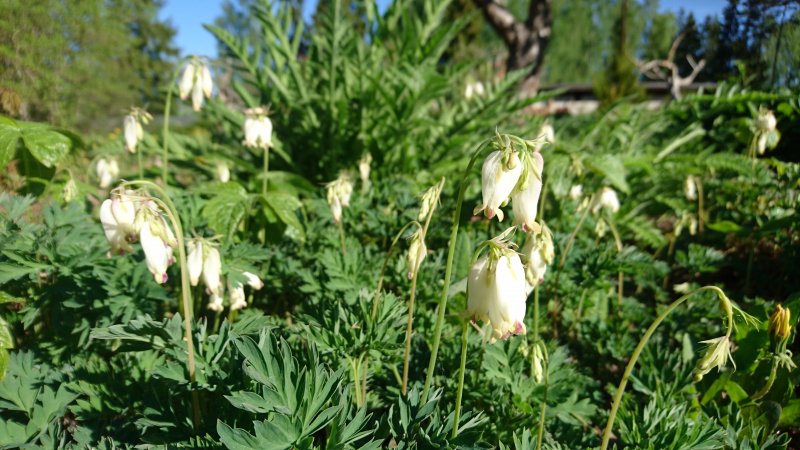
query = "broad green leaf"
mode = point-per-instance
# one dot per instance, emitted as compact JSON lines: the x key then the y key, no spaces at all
{"x":9,"y":135}
{"x":725,"y":226}
{"x":46,"y":145}
{"x":285,"y":206}
{"x":611,"y":167}
{"x":226,"y":209}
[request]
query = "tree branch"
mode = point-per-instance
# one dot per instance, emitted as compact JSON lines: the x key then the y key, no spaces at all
{"x":500,"y":19}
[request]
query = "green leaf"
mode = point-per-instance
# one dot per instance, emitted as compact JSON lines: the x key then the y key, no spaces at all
{"x":790,"y":415}
{"x":735,"y":391}
{"x":225,"y":210}
{"x":9,"y":135}
{"x":725,"y":226}
{"x":46,"y":145}
{"x":285,"y":206}
{"x":611,"y":167}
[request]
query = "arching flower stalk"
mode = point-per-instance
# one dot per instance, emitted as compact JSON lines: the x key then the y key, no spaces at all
{"x":717,"y":353}
{"x":130,"y":212}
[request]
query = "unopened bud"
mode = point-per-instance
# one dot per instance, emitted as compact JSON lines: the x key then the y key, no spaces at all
{"x":717,"y":354}
{"x":780,"y":323}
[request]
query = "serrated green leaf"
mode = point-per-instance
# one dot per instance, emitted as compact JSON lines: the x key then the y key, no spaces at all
{"x":9,"y":135}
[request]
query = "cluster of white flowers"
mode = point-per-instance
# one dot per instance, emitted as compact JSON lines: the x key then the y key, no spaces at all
{"x":499,"y":282}
{"x":129,"y":215}
{"x":132,"y":128}
{"x":496,"y":290}
{"x":474,"y":89}
{"x":606,"y":199}
{"x":196,"y":80}
{"x":576,"y":192}
{"x":257,"y":128}
{"x":364,"y":169}
{"x":766,"y":130}
{"x":204,"y":260}
{"x":107,"y":171}
{"x":338,"y":195}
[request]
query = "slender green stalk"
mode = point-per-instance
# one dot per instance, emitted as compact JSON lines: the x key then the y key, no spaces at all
{"x":448,"y":272}
{"x":186,"y":294}
{"x":264,"y":182}
{"x":543,"y":408}
{"x":386,"y":263}
{"x":165,"y":130}
{"x":412,"y":296}
{"x":620,"y":280}
{"x":141,"y":165}
{"x":638,"y":350}
{"x":340,"y":225}
{"x":462,"y":367}
{"x":700,"y":207}
{"x":765,"y":389}
{"x":568,"y":247}
{"x":536,"y":313}
{"x":356,"y":389}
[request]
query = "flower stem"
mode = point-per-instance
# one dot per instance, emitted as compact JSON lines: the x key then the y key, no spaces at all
{"x":543,"y":409}
{"x":620,"y":280}
{"x":410,"y":322}
{"x":266,"y":170}
{"x":141,"y":166}
{"x":340,"y":225}
{"x":568,"y":247}
{"x":165,"y":130}
{"x":356,"y":381}
{"x":448,"y":271}
{"x":186,"y":293}
{"x":462,"y":367}
{"x":386,"y":263}
{"x":638,"y":350}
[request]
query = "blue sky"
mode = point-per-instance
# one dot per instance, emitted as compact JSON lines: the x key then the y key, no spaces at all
{"x":188,"y":17}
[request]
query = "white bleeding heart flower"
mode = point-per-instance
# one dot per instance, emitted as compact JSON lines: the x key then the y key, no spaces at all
{"x":253,"y":280}
{"x":197,"y":82}
{"x":538,"y":252}
{"x":525,"y":199}
{"x":498,"y":179}
{"x":496,"y":293}
{"x":212,"y":268}
{"x":132,"y":131}
{"x":690,"y":188}
{"x":187,"y":81}
{"x":607,"y":199}
{"x":364,"y":168}
{"x":237,"y":297}
{"x":157,"y":253}
{"x":215,"y":303}
{"x":547,"y":133}
{"x":194,"y":260}
{"x":115,"y":234}
{"x":223,"y":172}
{"x":576,"y":192}
{"x":107,"y":171}
{"x":338,"y":195}
{"x":766,"y":121}
{"x":257,"y":128}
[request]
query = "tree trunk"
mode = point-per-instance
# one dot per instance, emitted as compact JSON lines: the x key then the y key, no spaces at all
{"x":526,"y":41}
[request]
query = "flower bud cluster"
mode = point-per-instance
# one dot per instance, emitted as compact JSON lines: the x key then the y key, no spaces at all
{"x":780,"y":324}
{"x":205,"y":262}
{"x":538,"y":252}
{"x":257,"y":128}
{"x":338,"y":195}
{"x":131,"y":215}
{"x":765,"y":129}
{"x":132,"y":128}
{"x":196,"y":80}
{"x":606,"y":199}
{"x":107,"y":171}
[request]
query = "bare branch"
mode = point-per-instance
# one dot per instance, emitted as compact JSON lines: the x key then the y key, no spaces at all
{"x":500,"y":19}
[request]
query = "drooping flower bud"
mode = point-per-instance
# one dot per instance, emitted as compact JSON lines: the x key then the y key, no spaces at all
{"x":547,"y":133}
{"x":606,"y":199}
{"x":690,"y":188}
{"x":499,"y":176}
{"x":537,"y":253}
{"x":780,"y":326}
{"x":156,"y":252}
{"x":525,"y":198}
{"x":364,"y":169}
{"x":429,"y":200}
{"x":194,"y":260}
{"x":237,"y":296}
{"x":223,"y":172}
{"x":718,"y":352}
{"x":70,"y":191}
{"x":475,"y":89}
{"x":576,"y":192}
{"x":212,"y":267}
{"x":107,"y":171}
{"x":496,"y":292}
{"x":257,"y":128}
{"x":253,"y":280}
{"x":132,"y":130}
{"x":537,"y":362}
{"x":416,"y":253}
